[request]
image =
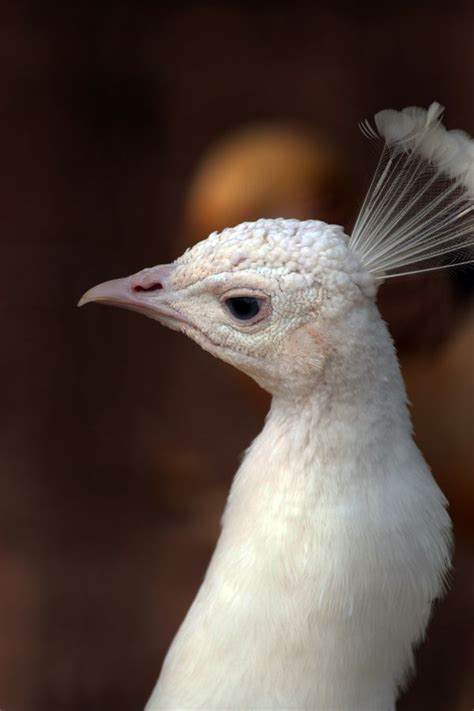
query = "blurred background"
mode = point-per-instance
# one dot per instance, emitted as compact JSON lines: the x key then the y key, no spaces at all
{"x":129,"y":131}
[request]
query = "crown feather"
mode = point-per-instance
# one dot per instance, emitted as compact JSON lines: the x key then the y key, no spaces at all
{"x":418,"y":213}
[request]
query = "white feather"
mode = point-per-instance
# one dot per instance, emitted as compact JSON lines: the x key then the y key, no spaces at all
{"x":335,"y":543}
{"x":419,"y":211}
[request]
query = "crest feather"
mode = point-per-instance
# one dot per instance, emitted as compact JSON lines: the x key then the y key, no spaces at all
{"x":418,"y":213}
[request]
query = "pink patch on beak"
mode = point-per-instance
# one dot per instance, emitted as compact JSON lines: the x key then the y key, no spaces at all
{"x":153,"y":279}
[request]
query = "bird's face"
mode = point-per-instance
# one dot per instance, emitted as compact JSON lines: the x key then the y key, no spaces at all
{"x":259,"y":296}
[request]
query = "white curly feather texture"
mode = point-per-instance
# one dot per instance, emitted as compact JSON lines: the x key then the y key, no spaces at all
{"x":419,"y":211}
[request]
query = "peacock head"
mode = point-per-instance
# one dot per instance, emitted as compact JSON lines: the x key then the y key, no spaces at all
{"x":279,"y":298}
{"x":262,"y":296}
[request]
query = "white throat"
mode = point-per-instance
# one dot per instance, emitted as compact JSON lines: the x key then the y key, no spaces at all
{"x":324,"y":573}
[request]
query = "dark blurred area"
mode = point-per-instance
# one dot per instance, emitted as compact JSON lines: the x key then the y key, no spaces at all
{"x":119,"y":439}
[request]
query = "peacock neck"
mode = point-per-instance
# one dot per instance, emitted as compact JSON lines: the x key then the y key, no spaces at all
{"x":311,"y":574}
{"x":339,"y":429}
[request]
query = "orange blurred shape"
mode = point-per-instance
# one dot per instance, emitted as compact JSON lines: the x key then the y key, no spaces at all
{"x":268,"y":170}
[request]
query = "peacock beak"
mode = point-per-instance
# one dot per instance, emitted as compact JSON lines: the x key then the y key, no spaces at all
{"x":148,"y":292}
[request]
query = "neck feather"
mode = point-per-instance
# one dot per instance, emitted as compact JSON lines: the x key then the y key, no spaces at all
{"x":330,"y":515}
{"x":338,"y":432}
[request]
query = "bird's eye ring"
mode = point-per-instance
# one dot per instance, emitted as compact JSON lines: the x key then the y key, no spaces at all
{"x":244,"y":308}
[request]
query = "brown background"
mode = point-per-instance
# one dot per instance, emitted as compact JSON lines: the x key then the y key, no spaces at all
{"x":117,"y":437}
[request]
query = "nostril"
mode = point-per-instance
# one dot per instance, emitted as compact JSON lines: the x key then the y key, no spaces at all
{"x":154,"y":286}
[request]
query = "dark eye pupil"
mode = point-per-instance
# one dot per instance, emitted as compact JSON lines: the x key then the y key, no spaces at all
{"x":243,"y":307}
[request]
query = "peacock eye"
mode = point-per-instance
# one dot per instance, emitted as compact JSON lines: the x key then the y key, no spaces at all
{"x":244,"y":308}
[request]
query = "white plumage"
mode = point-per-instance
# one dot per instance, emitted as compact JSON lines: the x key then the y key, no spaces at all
{"x":335,"y":539}
{"x":419,"y":209}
